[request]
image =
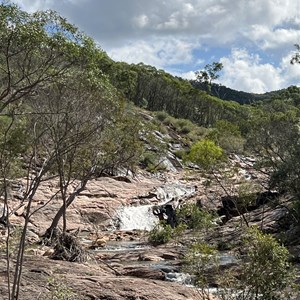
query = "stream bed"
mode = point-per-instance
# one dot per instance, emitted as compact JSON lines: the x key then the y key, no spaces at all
{"x":137,"y":255}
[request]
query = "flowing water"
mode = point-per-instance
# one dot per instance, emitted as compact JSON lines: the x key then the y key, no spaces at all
{"x":141,"y":217}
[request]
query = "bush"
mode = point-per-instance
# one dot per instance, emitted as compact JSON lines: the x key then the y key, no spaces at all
{"x":194,"y":217}
{"x":161,"y":116}
{"x":265,"y":271}
{"x":206,"y":154}
{"x":151,"y":162}
{"x":180,"y":153}
{"x":200,"y":260}
{"x":59,"y":291}
{"x":198,"y":133}
{"x":160,"y":234}
{"x":183,"y":126}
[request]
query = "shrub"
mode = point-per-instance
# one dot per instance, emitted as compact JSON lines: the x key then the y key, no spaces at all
{"x":59,"y":290}
{"x":183,"y":126}
{"x":151,"y":162}
{"x":169,"y":121}
{"x":265,"y":273}
{"x":180,"y":153}
{"x":194,"y":217}
{"x":200,"y":260}
{"x":161,"y":116}
{"x":206,"y":154}
{"x":186,"y":129}
{"x":160,"y":234}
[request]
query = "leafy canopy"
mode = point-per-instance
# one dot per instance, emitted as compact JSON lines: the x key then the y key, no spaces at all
{"x":205,"y":153}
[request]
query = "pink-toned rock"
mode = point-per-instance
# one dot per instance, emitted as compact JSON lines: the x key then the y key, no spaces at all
{"x":149,"y":257}
{"x":92,"y":281}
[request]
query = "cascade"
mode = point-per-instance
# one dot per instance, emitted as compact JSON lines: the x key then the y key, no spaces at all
{"x":141,"y":217}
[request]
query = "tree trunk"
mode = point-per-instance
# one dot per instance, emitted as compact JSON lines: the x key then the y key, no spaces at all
{"x":81,"y":186}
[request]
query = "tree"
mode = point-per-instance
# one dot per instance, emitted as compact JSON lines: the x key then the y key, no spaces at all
{"x":36,"y":49}
{"x":266,"y":272}
{"x":209,"y":74}
{"x":296,"y":57}
{"x":58,"y":112}
{"x":206,"y":154}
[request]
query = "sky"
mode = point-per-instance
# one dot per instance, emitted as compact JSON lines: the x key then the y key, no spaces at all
{"x":253,"y":39}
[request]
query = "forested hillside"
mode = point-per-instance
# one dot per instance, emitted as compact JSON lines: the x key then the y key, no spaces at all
{"x":69,"y":112}
{"x":241,"y":97}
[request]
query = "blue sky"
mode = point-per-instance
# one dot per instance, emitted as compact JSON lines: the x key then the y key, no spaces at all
{"x":252,"y":38}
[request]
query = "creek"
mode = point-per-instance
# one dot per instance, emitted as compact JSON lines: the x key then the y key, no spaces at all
{"x":137,"y":254}
{"x":141,"y":217}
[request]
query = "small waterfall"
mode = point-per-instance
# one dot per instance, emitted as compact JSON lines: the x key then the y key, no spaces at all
{"x":136,"y":217}
{"x":141,"y":217}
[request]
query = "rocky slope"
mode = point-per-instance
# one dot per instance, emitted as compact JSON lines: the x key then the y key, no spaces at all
{"x":116,"y":270}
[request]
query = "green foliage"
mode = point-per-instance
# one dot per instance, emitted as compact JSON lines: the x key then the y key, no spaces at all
{"x":228,"y":136}
{"x":149,"y":160}
{"x":209,"y":73}
{"x":169,"y":121}
{"x":200,"y":261}
{"x":296,"y":211}
{"x":194,"y":217}
{"x":205,"y":153}
{"x":38,"y":48}
{"x":198,"y":133}
{"x":180,"y":153}
{"x":178,"y":232}
{"x":271,"y":129}
{"x":266,"y":273}
{"x":160,"y":234}
{"x":14,"y":142}
{"x":161,"y":116}
{"x":183,"y":126}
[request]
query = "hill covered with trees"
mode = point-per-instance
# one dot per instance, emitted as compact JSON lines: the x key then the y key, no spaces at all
{"x":69,"y":112}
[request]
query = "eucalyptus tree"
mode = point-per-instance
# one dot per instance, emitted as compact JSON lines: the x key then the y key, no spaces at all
{"x":296,"y":56}
{"x":81,"y":129}
{"x":58,"y":112}
{"x":34,"y":50}
{"x":209,"y":74}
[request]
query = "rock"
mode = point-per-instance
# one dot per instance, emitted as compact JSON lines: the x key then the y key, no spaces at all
{"x":122,"y":178}
{"x":170,"y":256}
{"x":20,"y":211}
{"x":144,"y":272}
{"x":99,"y":242}
{"x":32,"y":237}
{"x":92,"y":281}
{"x":95,"y":217}
{"x":48,"y":252}
{"x":166,"y":213}
{"x":147,"y":257}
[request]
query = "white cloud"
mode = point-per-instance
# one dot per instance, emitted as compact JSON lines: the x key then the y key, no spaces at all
{"x":220,"y":20}
{"x":268,"y":38}
{"x":159,"y":52}
{"x":245,"y":72}
{"x":141,"y":21}
{"x":171,"y":33}
{"x":187,"y":75}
